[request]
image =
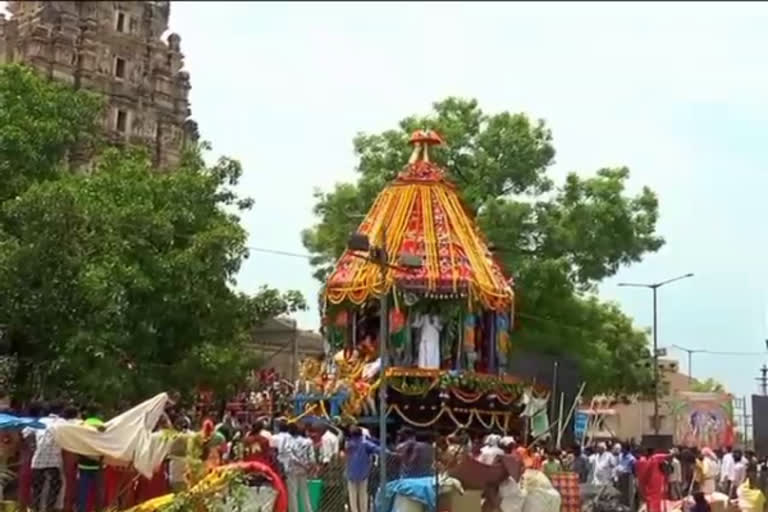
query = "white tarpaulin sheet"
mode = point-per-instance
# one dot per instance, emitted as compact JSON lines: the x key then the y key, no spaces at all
{"x":128,"y":437}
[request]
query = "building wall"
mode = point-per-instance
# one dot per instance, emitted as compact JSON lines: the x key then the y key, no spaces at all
{"x":284,"y":346}
{"x":114,"y":48}
{"x":634,"y":420}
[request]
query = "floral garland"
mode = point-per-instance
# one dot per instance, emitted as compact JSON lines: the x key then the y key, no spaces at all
{"x":413,"y":386}
{"x":459,"y":424}
{"x":434,"y":420}
{"x":473,"y":414}
{"x":480,"y":383}
{"x":467,"y":387}
{"x":467,"y":398}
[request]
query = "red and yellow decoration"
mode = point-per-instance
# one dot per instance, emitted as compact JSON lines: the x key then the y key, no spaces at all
{"x":422,"y":215}
{"x":216,"y":482}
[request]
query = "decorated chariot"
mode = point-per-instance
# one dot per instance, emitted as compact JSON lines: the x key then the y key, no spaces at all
{"x":419,"y":272}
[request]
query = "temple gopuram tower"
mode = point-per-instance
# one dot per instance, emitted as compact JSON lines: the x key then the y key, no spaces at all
{"x":116,"y":49}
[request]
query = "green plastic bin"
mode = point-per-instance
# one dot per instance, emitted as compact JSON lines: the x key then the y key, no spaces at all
{"x":315,"y":494}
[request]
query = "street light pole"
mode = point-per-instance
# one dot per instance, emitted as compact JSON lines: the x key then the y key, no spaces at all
{"x":654,"y":287}
{"x":655,"y":364}
{"x":379,"y":255}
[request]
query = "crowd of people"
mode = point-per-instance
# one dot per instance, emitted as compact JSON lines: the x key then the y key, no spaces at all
{"x":49,"y":478}
{"x":650,"y":478}
{"x":40,"y":476}
{"x":653,"y":477}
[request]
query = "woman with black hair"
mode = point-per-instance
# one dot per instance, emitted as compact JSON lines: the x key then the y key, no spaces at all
{"x":421,"y":459}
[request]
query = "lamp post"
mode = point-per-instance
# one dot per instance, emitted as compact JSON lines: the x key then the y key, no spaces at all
{"x":654,"y":287}
{"x":379,"y":256}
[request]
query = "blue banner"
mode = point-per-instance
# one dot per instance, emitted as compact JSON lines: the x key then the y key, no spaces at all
{"x":580,"y":420}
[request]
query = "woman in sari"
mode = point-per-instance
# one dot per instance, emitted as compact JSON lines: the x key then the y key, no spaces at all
{"x":653,"y":482}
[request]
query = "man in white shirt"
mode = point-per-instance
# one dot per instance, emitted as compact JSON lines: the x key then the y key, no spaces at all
{"x":280,"y":442}
{"x":491,"y":451}
{"x":726,"y":470}
{"x":46,"y":462}
{"x":329,"y":445}
{"x":739,"y":472}
{"x":675,"y":478}
{"x":603,"y":463}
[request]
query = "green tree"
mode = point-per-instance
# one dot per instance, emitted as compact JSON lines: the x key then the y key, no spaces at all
{"x":117,"y":283}
{"x":707,"y":386}
{"x":558,"y":242}
{"x":40,"y":124}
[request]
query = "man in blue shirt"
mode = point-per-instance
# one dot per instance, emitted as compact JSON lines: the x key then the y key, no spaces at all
{"x":358,"y":453}
{"x":625,"y":474}
{"x":626,"y":461}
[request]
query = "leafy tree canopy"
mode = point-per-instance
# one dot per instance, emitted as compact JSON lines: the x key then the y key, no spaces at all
{"x":557,"y":240}
{"x":707,"y":386}
{"x":118,"y":282}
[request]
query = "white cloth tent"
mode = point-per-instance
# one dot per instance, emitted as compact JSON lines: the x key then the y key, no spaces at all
{"x":128,"y":438}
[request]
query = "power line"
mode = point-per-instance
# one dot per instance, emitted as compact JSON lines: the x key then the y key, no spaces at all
{"x":278,"y":252}
{"x":719,"y":353}
{"x":308,"y":256}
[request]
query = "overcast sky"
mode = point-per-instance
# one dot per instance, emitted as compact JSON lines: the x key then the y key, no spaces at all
{"x":677,"y":92}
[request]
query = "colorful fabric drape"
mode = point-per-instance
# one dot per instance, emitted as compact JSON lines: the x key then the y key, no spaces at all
{"x":567,"y":484}
{"x":470,"y":345}
{"x":341,"y":319}
{"x":489,"y":354}
{"x":502,"y":339}
{"x":335,"y":338}
{"x":397,"y":329}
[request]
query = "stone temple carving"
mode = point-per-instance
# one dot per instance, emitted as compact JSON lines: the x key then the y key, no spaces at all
{"x":114,"y":48}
